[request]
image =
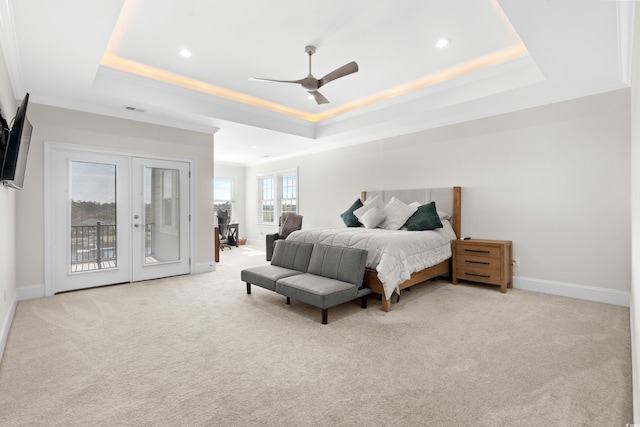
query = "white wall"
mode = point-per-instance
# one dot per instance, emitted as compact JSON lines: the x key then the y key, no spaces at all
{"x":7,"y":220}
{"x":555,"y":180}
{"x":73,"y":127}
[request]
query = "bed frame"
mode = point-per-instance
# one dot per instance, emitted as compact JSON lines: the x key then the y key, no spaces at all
{"x":447,"y":200}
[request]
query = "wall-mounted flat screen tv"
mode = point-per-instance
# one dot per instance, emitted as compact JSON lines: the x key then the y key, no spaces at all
{"x":15,"y":156}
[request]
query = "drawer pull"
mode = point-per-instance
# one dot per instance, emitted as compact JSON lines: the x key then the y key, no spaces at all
{"x":479,"y":251}
{"x":477,"y":262}
{"x":486,"y":276}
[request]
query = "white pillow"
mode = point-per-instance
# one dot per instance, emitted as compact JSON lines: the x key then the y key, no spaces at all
{"x":375,"y":201}
{"x":443,"y":216}
{"x":368,"y":204}
{"x":397,"y":213}
{"x":372,"y":217}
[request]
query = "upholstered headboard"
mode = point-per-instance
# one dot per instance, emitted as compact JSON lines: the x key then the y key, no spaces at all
{"x":447,"y":200}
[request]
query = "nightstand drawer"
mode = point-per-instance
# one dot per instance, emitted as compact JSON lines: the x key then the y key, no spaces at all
{"x":469,"y":261}
{"x":479,"y":250}
{"x":479,"y":274}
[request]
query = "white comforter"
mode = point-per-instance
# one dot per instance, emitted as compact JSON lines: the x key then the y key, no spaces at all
{"x":395,"y":255}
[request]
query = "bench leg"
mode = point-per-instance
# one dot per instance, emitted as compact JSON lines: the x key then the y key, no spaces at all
{"x":288,"y":300}
{"x":248,"y":288}
{"x":325,"y":312}
{"x":363,"y":301}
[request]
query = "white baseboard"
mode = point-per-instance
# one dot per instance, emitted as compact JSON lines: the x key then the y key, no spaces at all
{"x":255,"y":242}
{"x":635,"y":382}
{"x":29,"y":292}
{"x":6,"y":325}
{"x":205,"y":267}
{"x":589,"y":293}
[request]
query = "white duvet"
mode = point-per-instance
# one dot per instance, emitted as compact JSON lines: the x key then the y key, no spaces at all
{"x":394,"y":254}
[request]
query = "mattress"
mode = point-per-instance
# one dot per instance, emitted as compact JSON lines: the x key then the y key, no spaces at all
{"x":394,"y":254}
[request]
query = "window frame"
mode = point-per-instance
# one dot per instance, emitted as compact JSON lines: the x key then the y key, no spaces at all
{"x":278,"y":198}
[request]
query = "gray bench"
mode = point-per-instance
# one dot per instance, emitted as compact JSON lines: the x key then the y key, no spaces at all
{"x":320,"y":275}
{"x":290,"y":259}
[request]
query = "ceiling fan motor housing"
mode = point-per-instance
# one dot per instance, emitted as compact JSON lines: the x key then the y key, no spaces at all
{"x":310,"y":83}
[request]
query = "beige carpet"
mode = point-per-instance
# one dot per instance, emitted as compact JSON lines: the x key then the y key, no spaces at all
{"x":197,"y":350}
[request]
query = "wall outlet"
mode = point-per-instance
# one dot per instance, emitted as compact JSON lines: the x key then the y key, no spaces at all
{"x":516,"y":262}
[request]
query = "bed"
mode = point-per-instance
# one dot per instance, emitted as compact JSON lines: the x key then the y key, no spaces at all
{"x":399,"y":259}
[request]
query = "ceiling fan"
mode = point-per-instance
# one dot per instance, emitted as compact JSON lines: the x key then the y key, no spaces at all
{"x":311,"y":84}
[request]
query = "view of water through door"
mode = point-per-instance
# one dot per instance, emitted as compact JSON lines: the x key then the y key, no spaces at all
{"x":116,"y":219}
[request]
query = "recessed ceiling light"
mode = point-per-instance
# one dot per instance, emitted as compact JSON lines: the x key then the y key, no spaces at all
{"x":186,"y":53}
{"x":442,"y":42}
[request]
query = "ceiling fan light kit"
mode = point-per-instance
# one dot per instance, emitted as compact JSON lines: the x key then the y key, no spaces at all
{"x":310,"y":84}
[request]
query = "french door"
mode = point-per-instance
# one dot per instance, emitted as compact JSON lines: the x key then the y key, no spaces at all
{"x":114,"y":219}
{"x":160,"y":232}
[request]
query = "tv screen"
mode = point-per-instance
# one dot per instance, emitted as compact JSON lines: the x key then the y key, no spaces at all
{"x":15,"y":156}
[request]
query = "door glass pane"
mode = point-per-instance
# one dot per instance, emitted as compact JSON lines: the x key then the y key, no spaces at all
{"x":162,"y":215}
{"x":93,"y":216}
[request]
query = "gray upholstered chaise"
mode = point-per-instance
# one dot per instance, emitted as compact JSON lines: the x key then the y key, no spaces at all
{"x":331,"y":275}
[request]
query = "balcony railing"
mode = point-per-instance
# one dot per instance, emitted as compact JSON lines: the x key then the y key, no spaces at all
{"x":93,"y":247}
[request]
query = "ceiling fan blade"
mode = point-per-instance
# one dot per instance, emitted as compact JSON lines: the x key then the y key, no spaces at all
{"x":345,"y":70}
{"x":320,"y":99}
{"x":258,"y":79}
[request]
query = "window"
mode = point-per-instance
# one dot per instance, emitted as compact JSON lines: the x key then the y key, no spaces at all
{"x":277,"y":193}
{"x":267,"y":200}
{"x":223,"y":195}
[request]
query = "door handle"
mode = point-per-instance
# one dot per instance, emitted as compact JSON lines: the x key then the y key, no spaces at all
{"x":136,"y":225}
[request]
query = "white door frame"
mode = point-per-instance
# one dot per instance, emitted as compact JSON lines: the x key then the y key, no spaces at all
{"x":49,"y":147}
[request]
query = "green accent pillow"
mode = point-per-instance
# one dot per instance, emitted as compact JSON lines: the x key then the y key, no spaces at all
{"x":350,"y":220}
{"x":425,"y":218}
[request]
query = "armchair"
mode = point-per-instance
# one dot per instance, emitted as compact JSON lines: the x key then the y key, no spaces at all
{"x":288,"y":223}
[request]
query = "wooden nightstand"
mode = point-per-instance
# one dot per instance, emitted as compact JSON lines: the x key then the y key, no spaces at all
{"x":484,"y":261}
